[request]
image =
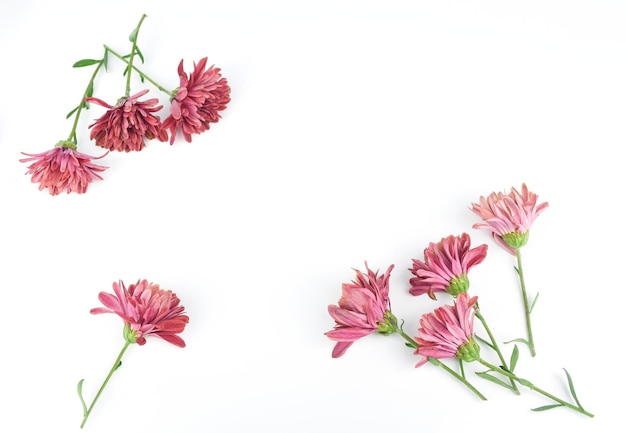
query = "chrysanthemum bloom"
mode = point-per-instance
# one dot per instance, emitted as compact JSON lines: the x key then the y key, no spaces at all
{"x":508,"y":216}
{"x":445,"y":266}
{"x":448,"y":332}
{"x":125,"y":126}
{"x":63,"y":169}
{"x":363,"y":309}
{"x":198,"y":101}
{"x":146,"y":310}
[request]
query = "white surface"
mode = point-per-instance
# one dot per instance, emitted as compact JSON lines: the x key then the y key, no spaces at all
{"x":357,"y":130}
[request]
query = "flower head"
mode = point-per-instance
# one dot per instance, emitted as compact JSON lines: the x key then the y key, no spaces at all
{"x":508,"y":216}
{"x":198,"y":101}
{"x":63,"y":169}
{"x":146,"y":310}
{"x":445,"y":266}
{"x":448,"y":332}
{"x":125,"y":126}
{"x":363,"y":309}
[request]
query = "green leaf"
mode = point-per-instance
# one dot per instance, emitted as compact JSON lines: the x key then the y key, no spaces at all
{"x":518,"y":340}
{"x":89,"y":91}
{"x":525,"y":382}
{"x":542,"y":408}
{"x":105,"y":59}
{"x":80,"y":395}
{"x":119,"y":364}
{"x":514,"y":357}
{"x":482,"y":340}
{"x":493,"y":379}
{"x":133,"y":36}
{"x":139,"y":53}
{"x":85,"y":62}
{"x":571,"y":388}
{"x":72,"y":112}
{"x":532,"y":305}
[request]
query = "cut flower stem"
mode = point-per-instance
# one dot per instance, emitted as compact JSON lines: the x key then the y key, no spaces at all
{"x":170,"y":93}
{"x":527,"y":306}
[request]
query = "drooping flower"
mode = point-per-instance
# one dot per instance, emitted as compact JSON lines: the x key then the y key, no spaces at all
{"x":448,"y":332}
{"x":63,"y":168}
{"x":363,"y":309}
{"x":198,"y":101}
{"x":508,"y":216}
{"x":445,"y":266}
{"x":146,"y":310}
{"x":126,"y":125}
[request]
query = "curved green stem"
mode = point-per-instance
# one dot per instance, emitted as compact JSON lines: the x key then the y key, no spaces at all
{"x":529,"y":331}
{"x":140,"y":72}
{"x":494,"y":345}
{"x":133,"y":38}
{"x":116,"y":365}
{"x":525,"y":382}
{"x":87,"y":93}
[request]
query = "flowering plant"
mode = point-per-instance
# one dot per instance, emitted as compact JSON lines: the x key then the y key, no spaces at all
{"x":129,"y":122}
{"x":448,"y":332}
{"x":147,"y":310}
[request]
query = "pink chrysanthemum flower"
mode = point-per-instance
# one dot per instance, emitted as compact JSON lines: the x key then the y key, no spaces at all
{"x":448,"y":332}
{"x":125,"y":126}
{"x":198,"y":101}
{"x":146,"y":310}
{"x":445,"y":266}
{"x":508,"y":216}
{"x":363,"y":309}
{"x":63,"y":169}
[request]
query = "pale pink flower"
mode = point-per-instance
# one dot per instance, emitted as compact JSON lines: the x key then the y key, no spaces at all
{"x":445,"y":266}
{"x":146,"y":310}
{"x":508,"y":216}
{"x":363,"y":309}
{"x":63,"y":169}
{"x":448,"y":332}
{"x":126,"y":125}
{"x":198,"y":101}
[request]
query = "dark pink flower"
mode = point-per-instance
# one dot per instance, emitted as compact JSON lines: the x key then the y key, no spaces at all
{"x":508,"y":216}
{"x":63,"y":169}
{"x":445,"y":266}
{"x":363,"y":309}
{"x":198,"y":101}
{"x":125,"y":126}
{"x":448,"y":332}
{"x":146,"y":310}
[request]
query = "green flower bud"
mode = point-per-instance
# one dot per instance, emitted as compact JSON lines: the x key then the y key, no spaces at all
{"x":458,"y":285}
{"x":516,"y":240}
{"x":469,"y":351}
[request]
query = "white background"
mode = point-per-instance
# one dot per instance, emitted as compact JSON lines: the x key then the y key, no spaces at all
{"x":357,"y":130}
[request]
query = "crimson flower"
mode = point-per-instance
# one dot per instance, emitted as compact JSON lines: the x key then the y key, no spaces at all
{"x":198,"y":101}
{"x":508,"y":216}
{"x":448,"y":332}
{"x":63,"y":169}
{"x":363,"y":309}
{"x":146,"y":310}
{"x":125,"y":126}
{"x":445,"y":266}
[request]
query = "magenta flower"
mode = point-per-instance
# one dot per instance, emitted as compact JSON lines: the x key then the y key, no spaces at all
{"x":146,"y":310}
{"x":363,"y":309}
{"x":125,"y":126}
{"x":508,"y":216}
{"x":198,"y":101}
{"x":445,"y":266}
{"x":448,"y":332}
{"x":63,"y":169}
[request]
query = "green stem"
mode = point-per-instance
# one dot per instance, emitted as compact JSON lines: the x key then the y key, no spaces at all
{"x":87,"y":93}
{"x":529,"y":331}
{"x":413,"y":344}
{"x":116,"y":365}
{"x":524,"y":382}
{"x":141,"y":73}
{"x":133,"y":38}
{"x":495,"y":346}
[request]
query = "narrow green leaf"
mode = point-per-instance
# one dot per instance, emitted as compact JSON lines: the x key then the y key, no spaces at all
{"x":514,"y":357}
{"x":490,"y":378}
{"x":80,"y":395}
{"x":548,"y":407}
{"x":571,"y":388}
{"x":532,"y":305}
{"x":125,"y":71}
{"x":89,"y":91}
{"x":105,"y":59}
{"x":485,"y":342}
{"x":133,"y":36}
{"x":71,"y":112}
{"x":119,"y":364}
{"x":525,"y":382}
{"x":518,"y":340}
{"x":85,"y":62}
{"x":139,"y":53}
